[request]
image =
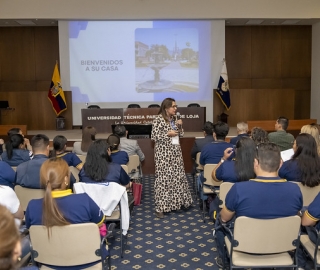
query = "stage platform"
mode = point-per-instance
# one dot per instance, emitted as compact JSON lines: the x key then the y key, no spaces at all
{"x":146,"y":145}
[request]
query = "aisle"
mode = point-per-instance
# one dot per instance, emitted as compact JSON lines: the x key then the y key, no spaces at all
{"x":179,"y":241}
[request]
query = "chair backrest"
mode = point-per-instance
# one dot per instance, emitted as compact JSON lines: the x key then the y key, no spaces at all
{"x":193,"y":105}
{"x":224,"y":189}
{"x":68,"y":245}
{"x":207,"y":171}
{"x":134,"y":106}
{"x":154,"y":106}
{"x":93,"y":107}
{"x":199,"y":166}
{"x":266,"y":236}
{"x":308,"y":193}
{"x":75,"y":173}
{"x":82,"y":158}
{"x":25,"y":195}
{"x":133,"y":164}
{"x":125,"y":167}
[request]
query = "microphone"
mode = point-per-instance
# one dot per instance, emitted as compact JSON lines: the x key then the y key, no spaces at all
{"x":178,"y":117}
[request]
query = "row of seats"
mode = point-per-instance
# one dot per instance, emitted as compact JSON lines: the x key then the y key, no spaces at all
{"x":138,"y":106}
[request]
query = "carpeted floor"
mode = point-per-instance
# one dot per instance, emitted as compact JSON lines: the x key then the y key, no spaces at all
{"x":179,"y":241}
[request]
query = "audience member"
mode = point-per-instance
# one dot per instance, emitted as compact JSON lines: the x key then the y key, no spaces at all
{"x":9,"y":199}
{"x":117,"y":156}
{"x":265,"y":197}
{"x":259,"y":135}
{"x":88,"y":136}
{"x":313,"y":130}
{"x":10,"y":247}
{"x":281,"y":138}
{"x":128,"y":145}
{"x":304,"y":166}
{"x":19,"y":131}
{"x":16,"y":152}
{"x":240,"y":168}
{"x":213,"y":152}
{"x":200,"y":143}
{"x":7,"y":175}
{"x":99,"y":168}
{"x":59,"y":206}
{"x":242,"y":130}
{"x":59,"y":150}
{"x":309,"y":219}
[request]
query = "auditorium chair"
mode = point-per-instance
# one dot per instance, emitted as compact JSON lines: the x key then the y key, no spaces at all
{"x":193,"y":105}
{"x":224,"y":189}
{"x":311,"y":248}
{"x":154,"y":106}
{"x":25,"y":195}
{"x":308,"y":193}
{"x":68,"y":245}
{"x":93,"y":107}
{"x":261,"y":243}
{"x":134,"y":106}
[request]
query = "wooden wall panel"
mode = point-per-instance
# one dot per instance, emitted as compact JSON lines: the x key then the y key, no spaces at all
{"x":280,"y":59}
{"x":266,"y":52}
{"x":258,"y":104}
{"x":17,"y":60}
{"x":296,"y":51}
{"x":238,"y":46}
{"x":34,"y":110}
{"x":46,"y":52}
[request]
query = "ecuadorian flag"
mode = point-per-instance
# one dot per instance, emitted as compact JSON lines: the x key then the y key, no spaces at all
{"x":56,"y":94}
{"x":223,"y":87}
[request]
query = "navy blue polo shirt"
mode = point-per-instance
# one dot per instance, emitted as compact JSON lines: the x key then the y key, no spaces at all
{"x":72,"y":159}
{"x":226,"y":172}
{"x":264,"y":198}
{"x":120,"y":157}
{"x":290,"y":171}
{"x":313,"y":211}
{"x":212,"y":153}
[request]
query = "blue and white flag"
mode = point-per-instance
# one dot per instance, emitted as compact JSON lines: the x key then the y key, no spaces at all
{"x":223,"y":87}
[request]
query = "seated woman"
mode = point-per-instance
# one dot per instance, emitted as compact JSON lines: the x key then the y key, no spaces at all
{"x":259,"y":135}
{"x":88,"y":136}
{"x":59,"y":150}
{"x":304,"y":166}
{"x":240,"y":168}
{"x":16,"y":152}
{"x":7,"y":175}
{"x":59,"y":206}
{"x":313,"y":130}
{"x":99,"y":168}
{"x":117,"y":156}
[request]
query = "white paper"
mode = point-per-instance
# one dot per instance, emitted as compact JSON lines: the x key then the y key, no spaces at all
{"x":287,"y":154}
{"x":175,"y":140}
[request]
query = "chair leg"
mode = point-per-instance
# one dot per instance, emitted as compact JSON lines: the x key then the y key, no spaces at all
{"x":203,"y":211}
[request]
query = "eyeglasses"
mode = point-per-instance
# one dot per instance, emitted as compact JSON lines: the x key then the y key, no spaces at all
{"x":174,"y":106}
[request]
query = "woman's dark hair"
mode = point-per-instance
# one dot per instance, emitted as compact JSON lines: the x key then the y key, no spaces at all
{"x":166,"y":103}
{"x":113,"y":141}
{"x":246,"y":150}
{"x":59,"y":142}
{"x":259,"y":135}
{"x":97,"y":161}
{"x":88,"y":136}
{"x":308,"y":161}
{"x":14,"y":142}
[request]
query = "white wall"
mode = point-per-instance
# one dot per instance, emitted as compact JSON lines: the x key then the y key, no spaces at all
{"x":156,"y":9}
{"x":315,"y":73}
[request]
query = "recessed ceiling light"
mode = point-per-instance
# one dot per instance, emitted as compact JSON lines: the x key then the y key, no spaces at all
{"x":253,"y":22}
{"x":290,"y":21}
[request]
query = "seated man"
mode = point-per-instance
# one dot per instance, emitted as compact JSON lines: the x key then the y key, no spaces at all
{"x":213,"y":152}
{"x":28,"y":173}
{"x":265,"y":197}
{"x":200,"y":143}
{"x":281,"y":138}
{"x":242,"y":130}
{"x":128,"y":145}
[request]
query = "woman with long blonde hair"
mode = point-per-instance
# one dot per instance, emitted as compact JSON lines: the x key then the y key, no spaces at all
{"x":313,"y":130}
{"x":60,"y":206}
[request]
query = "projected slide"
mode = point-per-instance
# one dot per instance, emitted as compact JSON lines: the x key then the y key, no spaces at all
{"x":139,"y":61}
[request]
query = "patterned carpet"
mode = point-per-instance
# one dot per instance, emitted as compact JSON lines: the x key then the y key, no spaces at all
{"x":179,"y":241}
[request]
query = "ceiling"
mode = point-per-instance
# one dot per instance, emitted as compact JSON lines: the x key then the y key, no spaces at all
{"x":229,"y":22}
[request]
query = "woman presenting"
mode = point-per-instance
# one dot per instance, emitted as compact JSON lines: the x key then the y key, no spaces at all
{"x":171,"y":190}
